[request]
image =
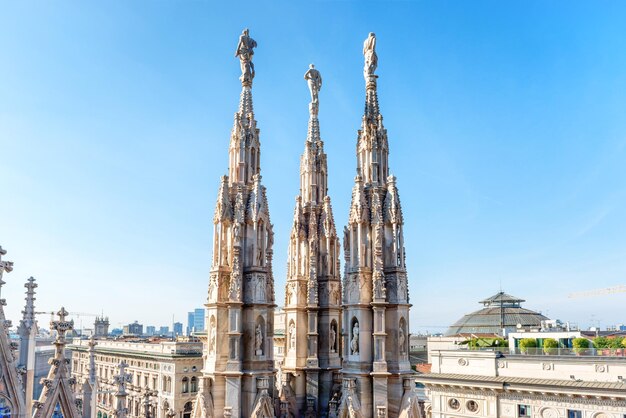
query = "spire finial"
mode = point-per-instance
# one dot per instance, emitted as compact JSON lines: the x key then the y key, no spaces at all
{"x":245,"y":51}
{"x":314,"y":80}
{"x":371,"y":59}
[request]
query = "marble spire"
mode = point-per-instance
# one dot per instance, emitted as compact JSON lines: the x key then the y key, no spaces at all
{"x":376,"y":302}
{"x":58,"y":387}
{"x":240,"y":303}
{"x":27,"y":331}
{"x":12,"y":387}
{"x":312,"y":305}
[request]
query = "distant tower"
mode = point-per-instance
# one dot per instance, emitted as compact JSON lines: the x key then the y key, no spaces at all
{"x":376,"y":301}
{"x":27,"y":332}
{"x":12,"y":389}
{"x":239,"y":320}
{"x":313,"y":293}
{"x":101,"y":326}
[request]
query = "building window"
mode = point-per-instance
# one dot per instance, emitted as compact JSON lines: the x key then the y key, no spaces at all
{"x":5,"y":410}
{"x":523,"y":411}
{"x":194,"y":384}
{"x":571,"y":413}
{"x":187,"y":410}
{"x":454,"y":404}
{"x":185,"y":385}
{"x":472,"y":406}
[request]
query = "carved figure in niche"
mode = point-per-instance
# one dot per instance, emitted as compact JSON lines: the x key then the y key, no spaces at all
{"x":379,"y":290}
{"x":245,"y":51}
{"x":258,"y":340}
{"x":292,"y":336}
{"x":212,"y":288}
{"x":259,"y":257}
{"x":402,"y":339}
{"x":346,"y":241}
{"x":314,"y":80}
{"x":289,"y":294}
{"x":333,"y":338}
{"x":213,"y":336}
{"x":354,"y":343}
{"x":325,"y":263}
{"x":402,"y":293}
{"x":335,"y":296}
{"x":371,"y":59}
{"x":236,"y":233}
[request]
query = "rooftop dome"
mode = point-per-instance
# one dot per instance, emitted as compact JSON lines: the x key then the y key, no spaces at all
{"x":501,"y":311}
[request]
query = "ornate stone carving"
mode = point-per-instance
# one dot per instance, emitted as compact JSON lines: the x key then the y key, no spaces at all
{"x":549,"y":413}
{"x":314,"y":80}
{"x":354,"y":342}
{"x":463,"y":361}
{"x":371,"y":59}
{"x":258,"y":340}
{"x":245,"y":51}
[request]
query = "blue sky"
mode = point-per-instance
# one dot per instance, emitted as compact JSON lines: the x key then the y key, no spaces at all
{"x":505,"y":123}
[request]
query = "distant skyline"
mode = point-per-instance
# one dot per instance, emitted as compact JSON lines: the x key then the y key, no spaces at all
{"x":506,"y":130}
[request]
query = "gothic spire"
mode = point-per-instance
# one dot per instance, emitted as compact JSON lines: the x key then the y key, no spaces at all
{"x":58,"y":388}
{"x":8,"y":369}
{"x":244,"y":139}
{"x":120,"y":380}
{"x":372,"y":146}
{"x":28,"y":314}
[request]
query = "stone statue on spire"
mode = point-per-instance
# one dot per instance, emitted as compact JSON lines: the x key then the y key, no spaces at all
{"x":314,"y":80}
{"x":371,"y":59}
{"x":245,"y":51}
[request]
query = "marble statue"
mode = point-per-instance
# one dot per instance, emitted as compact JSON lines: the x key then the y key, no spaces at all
{"x":213,"y":339}
{"x":354,"y":344}
{"x":258,"y":340}
{"x":401,"y":339}
{"x":292,"y":336}
{"x":333,"y":337}
{"x":371,"y":59}
{"x":314,"y":80}
{"x":245,"y":51}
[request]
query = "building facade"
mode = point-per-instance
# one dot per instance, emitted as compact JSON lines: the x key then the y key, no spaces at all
{"x":375,"y":300}
{"x":499,"y":384}
{"x":170,"y":368}
{"x":239,"y":367}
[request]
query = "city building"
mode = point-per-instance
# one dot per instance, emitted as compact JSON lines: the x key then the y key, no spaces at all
{"x":198,"y":319}
{"x":312,"y":351}
{"x":506,"y":383}
{"x":178,"y":329}
{"x":150,"y":330}
{"x":164,"y":331}
{"x":190,"y":323}
{"x":169,"y":368}
{"x":239,"y":365}
{"x":133,"y":329}
{"x":376,"y":370}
